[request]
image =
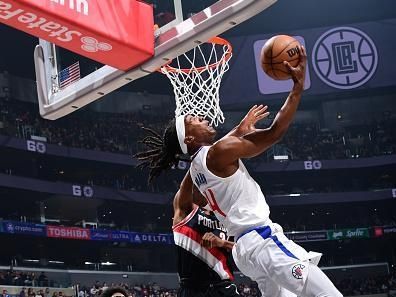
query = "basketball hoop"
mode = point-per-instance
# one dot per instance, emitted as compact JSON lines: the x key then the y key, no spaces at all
{"x":196,"y":78}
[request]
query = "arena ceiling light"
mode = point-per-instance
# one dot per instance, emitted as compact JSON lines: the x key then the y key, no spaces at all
{"x":281,"y":157}
{"x":31,"y":260}
{"x":108,"y":263}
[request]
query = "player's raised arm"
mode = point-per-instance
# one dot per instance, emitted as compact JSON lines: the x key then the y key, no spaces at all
{"x":230,"y":149}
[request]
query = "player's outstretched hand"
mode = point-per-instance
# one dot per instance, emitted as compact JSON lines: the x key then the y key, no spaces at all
{"x":209,"y":240}
{"x":298,"y":72}
{"x":255,"y":114}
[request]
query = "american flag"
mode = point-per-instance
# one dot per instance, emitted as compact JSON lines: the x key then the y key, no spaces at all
{"x":69,"y":75}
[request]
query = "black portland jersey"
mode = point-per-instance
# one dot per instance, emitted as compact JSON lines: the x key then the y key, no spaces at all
{"x":195,"y":262}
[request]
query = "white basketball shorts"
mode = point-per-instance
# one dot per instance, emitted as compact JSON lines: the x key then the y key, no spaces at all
{"x":267,"y":256}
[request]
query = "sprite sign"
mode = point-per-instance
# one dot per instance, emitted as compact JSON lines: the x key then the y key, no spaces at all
{"x":348,"y":233}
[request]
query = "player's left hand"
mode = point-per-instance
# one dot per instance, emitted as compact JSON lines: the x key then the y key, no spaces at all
{"x":255,"y":114}
{"x":209,"y":240}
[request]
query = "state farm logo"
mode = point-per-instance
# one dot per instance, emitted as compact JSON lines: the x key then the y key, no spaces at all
{"x":92,"y":45}
{"x":34,"y":22}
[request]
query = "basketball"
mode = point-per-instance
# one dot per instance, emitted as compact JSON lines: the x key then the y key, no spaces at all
{"x":276,"y":50}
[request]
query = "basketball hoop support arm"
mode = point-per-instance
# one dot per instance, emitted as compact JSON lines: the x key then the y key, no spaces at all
{"x":212,"y":21}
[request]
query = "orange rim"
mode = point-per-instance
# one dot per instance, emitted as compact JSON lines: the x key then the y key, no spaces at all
{"x":214,"y":40}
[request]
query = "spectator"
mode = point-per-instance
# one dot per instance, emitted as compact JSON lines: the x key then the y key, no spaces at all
{"x":93,"y":291}
{"x":31,"y":293}
{"x":42,"y":280}
{"x":40,"y":293}
{"x":47,"y":292}
{"x":23,"y":292}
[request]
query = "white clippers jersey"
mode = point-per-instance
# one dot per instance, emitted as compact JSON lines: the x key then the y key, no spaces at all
{"x":236,"y":200}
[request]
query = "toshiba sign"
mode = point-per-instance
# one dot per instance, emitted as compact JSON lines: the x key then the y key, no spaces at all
{"x":68,"y":232}
{"x":122,"y":39}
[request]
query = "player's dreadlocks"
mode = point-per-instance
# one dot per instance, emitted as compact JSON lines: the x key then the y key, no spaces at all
{"x":164,"y":152}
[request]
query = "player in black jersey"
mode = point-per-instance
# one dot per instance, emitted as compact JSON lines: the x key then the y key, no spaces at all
{"x":202,"y":247}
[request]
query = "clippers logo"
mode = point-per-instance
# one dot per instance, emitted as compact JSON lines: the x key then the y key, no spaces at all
{"x":298,"y":270}
{"x":92,"y":45}
{"x":344,"y":58}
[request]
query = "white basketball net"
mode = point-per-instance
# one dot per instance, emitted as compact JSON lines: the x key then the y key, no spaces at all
{"x":196,"y":87}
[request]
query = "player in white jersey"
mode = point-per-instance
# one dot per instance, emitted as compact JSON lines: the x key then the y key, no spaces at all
{"x":262,"y":251}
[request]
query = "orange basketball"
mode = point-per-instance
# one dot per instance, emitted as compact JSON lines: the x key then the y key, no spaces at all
{"x":276,"y":50}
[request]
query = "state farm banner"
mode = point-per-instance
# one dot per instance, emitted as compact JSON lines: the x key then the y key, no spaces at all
{"x":123,"y":38}
{"x":68,"y":232}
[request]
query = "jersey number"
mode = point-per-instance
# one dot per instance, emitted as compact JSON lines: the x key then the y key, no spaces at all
{"x":210,"y":197}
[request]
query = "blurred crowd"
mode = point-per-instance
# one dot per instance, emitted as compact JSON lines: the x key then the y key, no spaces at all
{"x":136,"y":290}
{"x":373,"y":285}
{"x":310,"y":141}
{"x":155,"y":290}
{"x":29,"y":283}
{"x":119,"y":133}
{"x":348,"y":287}
{"x":24,"y":278}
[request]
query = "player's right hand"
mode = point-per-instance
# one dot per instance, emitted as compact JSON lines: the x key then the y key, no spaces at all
{"x":209,"y":240}
{"x":298,"y":72}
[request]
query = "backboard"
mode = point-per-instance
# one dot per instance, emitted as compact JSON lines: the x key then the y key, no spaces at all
{"x":182,"y":25}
